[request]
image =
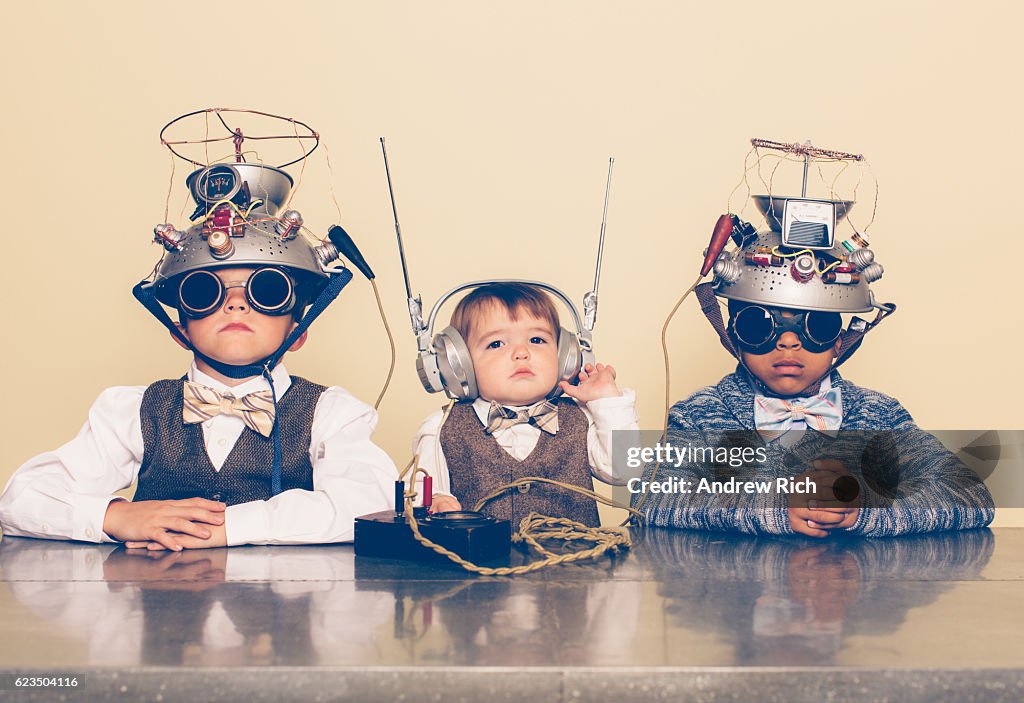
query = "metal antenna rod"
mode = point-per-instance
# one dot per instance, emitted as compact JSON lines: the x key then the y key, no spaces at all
{"x":398,"y":227}
{"x":807,"y":164}
{"x":590,"y":299}
{"x":415,"y":304}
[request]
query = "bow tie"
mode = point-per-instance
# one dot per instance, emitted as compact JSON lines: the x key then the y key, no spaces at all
{"x":774,"y":417}
{"x":202,"y":403}
{"x":543,"y":415}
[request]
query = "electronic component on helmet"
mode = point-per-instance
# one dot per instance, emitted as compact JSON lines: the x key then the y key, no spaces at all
{"x":742,"y":232}
{"x":803,"y":268}
{"x":861,"y":258}
{"x":857,"y":241}
{"x":808,"y":224}
{"x":170,"y":238}
{"x":727,"y":270}
{"x":221,"y":246}
{"x":872,"y":272}
{"x":758,"y":258}
{"x":288,"y":226}
{"x":844,"y":278}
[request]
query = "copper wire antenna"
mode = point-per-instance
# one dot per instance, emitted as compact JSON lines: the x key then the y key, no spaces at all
{"x":300,"y":131}
{"x":808,"y":152}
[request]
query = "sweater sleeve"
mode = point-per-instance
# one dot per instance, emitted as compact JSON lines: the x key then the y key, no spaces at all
{"x":917,"y":485}
{"x":685,"y":505}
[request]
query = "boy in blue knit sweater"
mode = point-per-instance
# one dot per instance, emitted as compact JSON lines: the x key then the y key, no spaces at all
{"x":870,"y":470}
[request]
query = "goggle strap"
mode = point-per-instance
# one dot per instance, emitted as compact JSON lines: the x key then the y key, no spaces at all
{"x":143,"y":292}
{"x":338,"y":280}
{"x":853,"y":338}
{"x":709,"y":305}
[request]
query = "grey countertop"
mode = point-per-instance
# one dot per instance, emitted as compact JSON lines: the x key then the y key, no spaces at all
{"x":683,"y":615}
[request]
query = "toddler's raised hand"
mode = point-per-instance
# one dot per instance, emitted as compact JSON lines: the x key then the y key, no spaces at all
{"x":442,"y":503}
{"x":596,"y":382}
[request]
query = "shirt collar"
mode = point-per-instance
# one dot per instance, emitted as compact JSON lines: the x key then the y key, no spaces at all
{"x":282,"y":381}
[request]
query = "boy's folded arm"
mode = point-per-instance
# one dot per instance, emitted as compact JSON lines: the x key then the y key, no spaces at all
{"x":607,"y":416}
{"x":749,"y":513}
{"x":64,"y":494}
{"x":932,"y":490}
{"x":352,"y":476}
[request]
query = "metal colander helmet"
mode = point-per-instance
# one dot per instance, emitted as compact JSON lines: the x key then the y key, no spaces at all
{"x":237,"y":224}
{"x":799,"y":262}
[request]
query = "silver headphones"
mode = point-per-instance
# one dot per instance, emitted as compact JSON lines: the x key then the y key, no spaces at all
{"x":444,"y":362}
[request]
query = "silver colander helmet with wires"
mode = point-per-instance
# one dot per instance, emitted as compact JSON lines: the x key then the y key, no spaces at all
{"x":236,"y":224}
{"x":799,"y":262}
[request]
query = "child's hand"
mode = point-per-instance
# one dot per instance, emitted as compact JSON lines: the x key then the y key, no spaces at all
{"x":814,"y":515}
{"x":815,"y":522}
{"x":596,"y":382}
{"x":163,"y":522}
{"x":218,"y":538}
{"x":442,"y":503}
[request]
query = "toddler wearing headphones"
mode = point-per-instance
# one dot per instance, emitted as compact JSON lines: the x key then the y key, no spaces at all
{"x":521,"y":425}
{"x":237,"y":451}
{"x":874,"y":472}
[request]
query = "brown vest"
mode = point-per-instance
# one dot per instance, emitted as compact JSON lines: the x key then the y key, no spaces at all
{"x":175,"y":464}
{"x":478,"y":465}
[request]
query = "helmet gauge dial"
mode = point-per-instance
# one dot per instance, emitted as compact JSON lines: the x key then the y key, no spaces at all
{"x":216,"y":183}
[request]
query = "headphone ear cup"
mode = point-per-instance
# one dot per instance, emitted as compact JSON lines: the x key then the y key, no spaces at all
{"x":569,"y":357}
{"x":455,"y":364}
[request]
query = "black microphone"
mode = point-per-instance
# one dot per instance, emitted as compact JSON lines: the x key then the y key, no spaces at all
{"x":347,"y":248}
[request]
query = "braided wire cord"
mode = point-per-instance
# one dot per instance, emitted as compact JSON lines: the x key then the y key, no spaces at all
{"x":534,"y":529}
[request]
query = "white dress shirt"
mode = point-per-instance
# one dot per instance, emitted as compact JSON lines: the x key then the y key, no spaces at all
{"x":603,"y":417}
{"x":64,"y":494}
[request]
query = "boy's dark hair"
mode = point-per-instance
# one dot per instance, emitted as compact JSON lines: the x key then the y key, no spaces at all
{"x":513,"y":297}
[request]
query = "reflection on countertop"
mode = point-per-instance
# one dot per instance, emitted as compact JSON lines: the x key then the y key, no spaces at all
{"x":677,"y":599}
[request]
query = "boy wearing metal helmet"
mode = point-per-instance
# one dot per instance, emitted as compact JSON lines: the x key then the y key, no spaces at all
{"x":237,"y":451}
{"x":834,"y":457}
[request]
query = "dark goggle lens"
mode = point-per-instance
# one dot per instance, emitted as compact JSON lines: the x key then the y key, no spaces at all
{"x":270,"y":291}
{"x":824,"y":327}
{"x":754,"y":326}
{"x":200,"y":292}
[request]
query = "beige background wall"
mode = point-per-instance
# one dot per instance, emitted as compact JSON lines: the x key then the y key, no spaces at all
{"x":500,"y":119}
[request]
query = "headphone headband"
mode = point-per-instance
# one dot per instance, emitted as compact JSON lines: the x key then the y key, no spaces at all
{"x":427,"y":332}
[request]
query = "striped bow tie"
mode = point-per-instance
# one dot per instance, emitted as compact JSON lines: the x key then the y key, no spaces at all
{"x":202,"y":403}
{"x":544,"y":415}
{"x":774,"y":417}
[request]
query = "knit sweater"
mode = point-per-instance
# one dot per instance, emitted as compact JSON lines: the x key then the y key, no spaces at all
{"x":924,"y":487}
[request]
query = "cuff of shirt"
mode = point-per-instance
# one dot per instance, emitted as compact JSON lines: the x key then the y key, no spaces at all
{"x":614,"y":412}
{"x":247,"y":523}
{"x":89,"y":514}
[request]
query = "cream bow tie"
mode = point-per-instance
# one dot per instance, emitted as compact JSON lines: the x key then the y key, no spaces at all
{"x":202,"y":403}
{"x":544,"y":415}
